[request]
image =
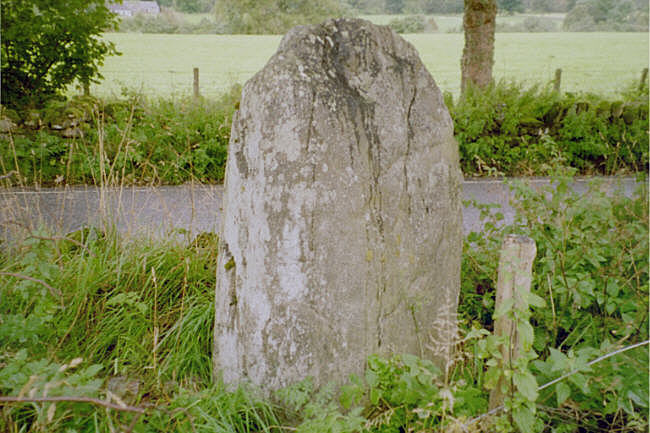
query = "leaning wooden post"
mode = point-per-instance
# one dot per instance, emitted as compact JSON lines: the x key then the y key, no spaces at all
{"x":514,"y":280}
{"x":196,"y":83}
{"x":644,"y":76}
{"x":558,"y":79}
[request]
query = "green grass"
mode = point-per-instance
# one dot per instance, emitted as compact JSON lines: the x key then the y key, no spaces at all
{"x":454,"y":23}
{"x":106,"y":309}
{"x":162,"y":65}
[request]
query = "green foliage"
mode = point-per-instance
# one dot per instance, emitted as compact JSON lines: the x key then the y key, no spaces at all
{"x":48,"y":44}
{"x":140,"y":141}
{"x":529,"y":24}
{"x":509,"y":130}
{"x":191,"y":6}
{"x":168,"y":21}
{"x":141,"y":312}
{"x":607,"y":15}
{"x":394,"y":6}
{"x":413,"y":24}
{"x":510,"y":6}
{"x":505,"y":130}
{"x":273,"y":16}
{"x":591,"y":269}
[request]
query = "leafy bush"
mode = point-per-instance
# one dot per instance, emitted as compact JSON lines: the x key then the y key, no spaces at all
{"x":168,"y":21}
{"x":47,"y":45}
{"x":413,"y":24}
{"x":509,"y":130}
{"x":273,"y":16}
{"x":530,"y":25}
{"x":591,"y":268}
{"x":607,"y":15}
{"x":140,"y":141}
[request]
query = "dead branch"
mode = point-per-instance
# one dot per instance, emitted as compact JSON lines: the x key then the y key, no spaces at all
{"x":95,"y":401}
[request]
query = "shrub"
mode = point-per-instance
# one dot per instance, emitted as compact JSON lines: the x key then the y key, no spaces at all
{"x":607,"y":15}
{"x":273,"y":16}
{"x":168,"y":21}
{"x":143,"y":141}
{"x":509,"y":130}
{"x":591,"y":268}
{"x":47,"y":45}
{"x":413,"y":24}
{"x":530,"y":25}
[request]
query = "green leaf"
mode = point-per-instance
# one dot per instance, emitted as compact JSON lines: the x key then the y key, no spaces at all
{"x":504,"y":308}
{"x":375,"y":395}
{"x":526,"y":335}
{"x":580,"y":381}
{"x":526,"y":384}
{"x":562,"y":392}
{"x":524,"y":418}
{"x":536,"y":301}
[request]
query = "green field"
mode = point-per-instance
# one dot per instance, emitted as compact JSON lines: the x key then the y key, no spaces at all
{"x":162,"y":64}
{"x":454,"y":23}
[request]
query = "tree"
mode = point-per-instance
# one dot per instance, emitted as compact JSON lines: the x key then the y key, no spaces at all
{"x":607,"y":15}
{"x":478,"y":54}
{"x":48,"y":44}
{"x":510,"y":6}
{"x":395,"y":6}
{"x":273,"y":16}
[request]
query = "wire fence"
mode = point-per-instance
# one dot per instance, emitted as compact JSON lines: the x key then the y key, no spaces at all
{"x":161,"y":82}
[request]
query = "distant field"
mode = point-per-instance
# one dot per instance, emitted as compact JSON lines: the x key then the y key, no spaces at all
{"x":454,"y":23}
{"x":162,"y":64}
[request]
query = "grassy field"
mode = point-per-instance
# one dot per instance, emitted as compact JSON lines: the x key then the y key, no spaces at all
{"x":454,"y":23}
{"x":162,"y":64}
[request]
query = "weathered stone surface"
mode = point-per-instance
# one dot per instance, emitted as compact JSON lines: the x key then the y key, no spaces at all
{"x":341,"y":230}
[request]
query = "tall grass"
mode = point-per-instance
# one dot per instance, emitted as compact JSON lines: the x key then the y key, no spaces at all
{"x":95,"y":315}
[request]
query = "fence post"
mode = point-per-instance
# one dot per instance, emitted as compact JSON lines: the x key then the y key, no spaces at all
{"x":196,"y":83}
{"x":644,"y":76}
{"x":558,"y":79}
{"x":513,"y":282}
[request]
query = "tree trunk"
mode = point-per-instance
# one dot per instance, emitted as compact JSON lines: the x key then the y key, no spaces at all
{"x":478,"y":55}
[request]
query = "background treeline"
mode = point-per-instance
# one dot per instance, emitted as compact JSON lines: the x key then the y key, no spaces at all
{"x":277,"y":16}
{"x":420,"y":6}
{"x":506,"y":130}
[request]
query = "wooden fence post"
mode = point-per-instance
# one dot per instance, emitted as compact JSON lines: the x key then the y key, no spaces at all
{"x":196,"y":83}
{"x":514,"y":280}
{"x":558,"y":79}
{"x":644,"y":76}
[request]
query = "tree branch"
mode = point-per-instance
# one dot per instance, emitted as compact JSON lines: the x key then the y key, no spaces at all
{"x":54,"y":291}
{"x":95,"y":401}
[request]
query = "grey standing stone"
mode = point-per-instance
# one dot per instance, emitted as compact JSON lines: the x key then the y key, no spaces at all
{"x":341,"y":230}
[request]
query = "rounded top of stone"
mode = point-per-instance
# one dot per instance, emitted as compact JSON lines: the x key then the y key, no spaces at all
{"x":352,"y":32}
{"x":352,"y":53}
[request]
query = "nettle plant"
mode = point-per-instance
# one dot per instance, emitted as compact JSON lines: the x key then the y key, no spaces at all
{"x":591,"y":268}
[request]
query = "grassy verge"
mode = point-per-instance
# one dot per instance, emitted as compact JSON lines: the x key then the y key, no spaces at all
{"x":507,"y":130}
{"x":130,"y":322}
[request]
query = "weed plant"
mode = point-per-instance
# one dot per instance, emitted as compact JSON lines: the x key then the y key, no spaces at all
{"x":92,"y":315}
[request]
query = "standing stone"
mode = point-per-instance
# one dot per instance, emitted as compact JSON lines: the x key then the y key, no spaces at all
{"x":341,"y":230}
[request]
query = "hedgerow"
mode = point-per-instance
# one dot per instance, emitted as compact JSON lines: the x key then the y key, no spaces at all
{"x":515,"y":131}
{"x":506,"y":130}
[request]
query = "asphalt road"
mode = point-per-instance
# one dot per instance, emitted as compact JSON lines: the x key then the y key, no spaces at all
{"x":191,"y":209}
